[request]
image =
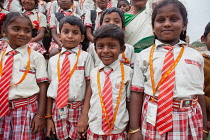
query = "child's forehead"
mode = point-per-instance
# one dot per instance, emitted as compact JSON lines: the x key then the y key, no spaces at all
{"x":21,"y":21}
{"x":67,"y":25}
{"x":107,"y":40}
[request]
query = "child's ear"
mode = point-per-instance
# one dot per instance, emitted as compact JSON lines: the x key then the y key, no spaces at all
{"x":122,"y":49}
{"x":82,"y":38}
{"x":59,"y":36}
{"x":4,"y":32}
{"x":203,"y":39}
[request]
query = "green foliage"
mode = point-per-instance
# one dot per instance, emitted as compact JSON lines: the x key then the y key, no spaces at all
{"x":197,"y":44}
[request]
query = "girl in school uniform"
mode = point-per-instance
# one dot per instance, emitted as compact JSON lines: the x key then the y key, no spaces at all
{"x":23,"y":84}
{"x":167,"y":87}
{"x":39,"y":22}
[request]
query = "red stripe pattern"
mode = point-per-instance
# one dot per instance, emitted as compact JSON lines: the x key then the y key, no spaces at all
{"x":5,"y":84}
{"x":63,"y":85}
{"x":107,"y":100}
{"x":165,"y":98}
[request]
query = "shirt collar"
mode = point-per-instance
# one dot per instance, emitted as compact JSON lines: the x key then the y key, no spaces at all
{"x":22,"y":49}
{"x":73,"y":50}
{"x":33,"y":11}
{"x":98,"y":10}
{"x":68,"y":10}
{"x":112,"y":66}
{"x":160,"y":44}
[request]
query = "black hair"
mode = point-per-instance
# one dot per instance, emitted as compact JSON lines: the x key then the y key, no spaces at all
{"x":179,"y":6}
{"x":73,"y":20}
{"x":71,"y":1}
{"x":110,"y":30}
{"x":111,"y":10}
{"x":36,"y":4}
{"x":12,"y":16}
{"x":124,"y":1}
{"x":207,"y":30}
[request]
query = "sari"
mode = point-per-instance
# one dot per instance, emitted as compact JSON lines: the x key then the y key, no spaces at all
{"x":138,"y":30}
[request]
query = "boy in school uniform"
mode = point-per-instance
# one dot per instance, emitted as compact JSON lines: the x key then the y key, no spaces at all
{"x":110,"y":85}
{"x":69,"y":75}
{"x":101,"y":6}
{"x":66,"y":9}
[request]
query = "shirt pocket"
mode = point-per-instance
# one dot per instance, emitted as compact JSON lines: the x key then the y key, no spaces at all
{"x":192,"y":72}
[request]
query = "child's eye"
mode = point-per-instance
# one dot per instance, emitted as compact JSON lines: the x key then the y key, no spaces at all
{"x":174,"y":19}
{"x":99,"y":46}
{"x":111,"y":46}
{"x":117,"y":21}
{"x":27,"y":31}
{"x":75,"y":33}
{"x":106,"y":21}
{"x":16,"y":29}
{"x":160,"y":20}
{"x":65,"y":31}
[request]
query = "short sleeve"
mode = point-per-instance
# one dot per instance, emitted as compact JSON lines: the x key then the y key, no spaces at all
{"x":87,"y":21}
{"x":138,"y":76}
{"x":43,"y":20}
{"x":53,"y":21}
{"x":89,"y":65}
{"x":41,"y":68}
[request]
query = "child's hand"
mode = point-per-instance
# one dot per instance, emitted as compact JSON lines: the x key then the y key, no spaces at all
{"x":50,"y":127}
{"x":82,"y":126}
{"x":37,"y":124}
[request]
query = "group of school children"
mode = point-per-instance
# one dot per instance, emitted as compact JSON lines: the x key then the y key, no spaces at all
{"x":134,"y":81}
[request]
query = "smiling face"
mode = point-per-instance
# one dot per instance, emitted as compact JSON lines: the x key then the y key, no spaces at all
{"x":112,"y":18}
{"x":70,"y":36}
{"x":108,"y":49}
{"x":168,"y":24}
{"x":28,"y":5}
{"x":102,"y":4}
{"x":65,"y":4}
{"x":19,"y":32}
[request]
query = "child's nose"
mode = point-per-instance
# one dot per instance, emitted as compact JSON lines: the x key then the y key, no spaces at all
{"x":106,"y":49}
{"x":21,"y":32}
{"x":167,"y":23}
{"x":70,"y":35}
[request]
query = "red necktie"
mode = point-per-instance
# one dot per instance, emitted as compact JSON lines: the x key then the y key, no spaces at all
{"x":5,"y":84}
{"x":28,"y":13}
{"x":66,"y":13}
{"x":63,"y":85}
{"x":165,"y":97}
{"x":109,"y":5}
{"x":107,"y":100}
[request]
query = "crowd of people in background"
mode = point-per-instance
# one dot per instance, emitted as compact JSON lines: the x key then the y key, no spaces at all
{"x":101,"y":69}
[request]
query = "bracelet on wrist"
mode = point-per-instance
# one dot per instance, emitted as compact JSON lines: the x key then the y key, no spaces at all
{"x":48,"y":116}
{"x":204,"y":131}
{"x":40,"y":117}
{"x":134,"y":131}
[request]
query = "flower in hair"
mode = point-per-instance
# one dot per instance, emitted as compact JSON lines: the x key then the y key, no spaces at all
{"x":2,"y":15}
{"x":36,"y":24}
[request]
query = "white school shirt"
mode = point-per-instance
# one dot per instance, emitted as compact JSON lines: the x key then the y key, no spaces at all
{"x":189,"y":77}
{"x":39,"y":17}
{"x":95,"y":111}
{"x":36,"y":74}
{"x":54,"y":23}
{"x":88,"y":22}
{"x":12,"y":5}
{"x":77,"y":84}
{"x":42,"y":6}
{"x":129,"y":53}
